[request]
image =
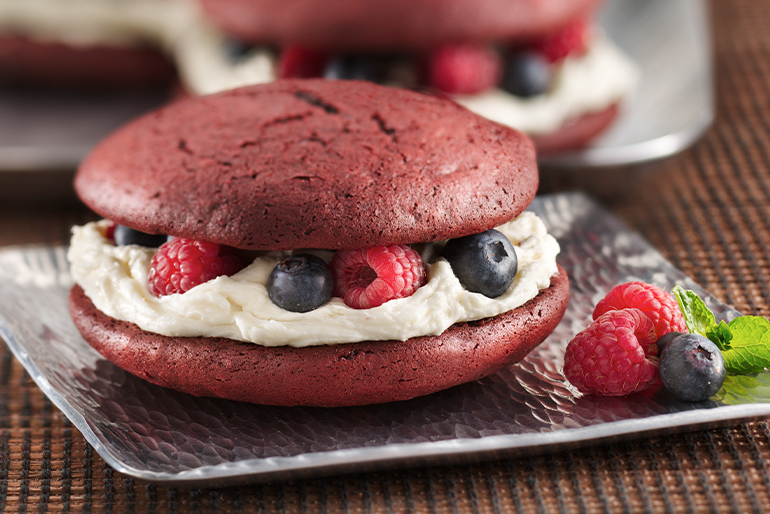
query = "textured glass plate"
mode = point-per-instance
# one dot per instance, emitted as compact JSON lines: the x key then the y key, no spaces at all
{"x":157,"y":434}
{"x":673,"y":105}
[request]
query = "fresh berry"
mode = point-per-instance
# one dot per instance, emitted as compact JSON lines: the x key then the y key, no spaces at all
{"x":463,"y":69}
{"x":299,"y":62}
{"x":369,"y":277}
{"x":181,"y":264}
{"x":484,"y":263}
{"x":109,"y":230}
{"x":661,"y":307}
{"x":572,"y":39}
{"x":128,"y":236}
{"x":692,"y":368}
{"x":665,"y":339}
{"x":236,"y":49}
{"x":614,"y":356}
{"x":526,"y":74}
{"x":356,"y":67}
{"x":300,"y":283}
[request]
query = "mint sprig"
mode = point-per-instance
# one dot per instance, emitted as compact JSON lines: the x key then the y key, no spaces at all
{"x":744,"y":341}
{"x":697,"y":316}
{"x":721,"y":335}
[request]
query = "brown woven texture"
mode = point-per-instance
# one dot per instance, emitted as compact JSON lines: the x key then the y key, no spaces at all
{"x":707,"y":210}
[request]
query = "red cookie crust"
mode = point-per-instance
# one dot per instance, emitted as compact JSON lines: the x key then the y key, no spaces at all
{"x":311,"y":164}
{"x":388,"y":25}
{"x":576,"y":133}
{"x":39,"y":63}
{"x":326,"y":376}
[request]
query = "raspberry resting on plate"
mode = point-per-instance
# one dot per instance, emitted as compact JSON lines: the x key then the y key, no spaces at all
{"x":614,"y":356}
{"x":658,"y":305}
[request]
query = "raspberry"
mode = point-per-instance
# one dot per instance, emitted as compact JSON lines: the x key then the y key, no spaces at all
{"x":464,"y":69}
{"x":181,"y":264}
{"x":298,"y":62}
{"x":369,"y":277}
{"x":614,"y":356}
{"x":571,"y":39}
{"x":109,"y":230}
{"x":657,"y":304}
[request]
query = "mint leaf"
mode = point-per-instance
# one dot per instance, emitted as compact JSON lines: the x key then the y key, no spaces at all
{"x":744,"y":342}
{"x":750,"y":347}
{"x":720,"y":335}
{"x":698,"y":318}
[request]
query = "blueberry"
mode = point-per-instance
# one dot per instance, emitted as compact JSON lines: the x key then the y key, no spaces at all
{"x":356,"y":67}
{"x":300,"y":283}
{"x":484,"y":263}
{"x":235,"y":49}
{"x":129,"y":236}
{"x":526,"y":74}
{"x":692,"y":368}
{"x":665,"y":339}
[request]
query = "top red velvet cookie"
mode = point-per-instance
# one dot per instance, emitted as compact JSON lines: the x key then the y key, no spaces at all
{"x":311,"y":164}
{"x":391,"y":24}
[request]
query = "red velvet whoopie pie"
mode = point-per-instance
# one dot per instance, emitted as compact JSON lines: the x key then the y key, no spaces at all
{"x":336,"y":167}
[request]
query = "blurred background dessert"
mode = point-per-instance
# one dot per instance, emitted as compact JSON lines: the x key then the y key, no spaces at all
{"x":87,"y":44}
{"x":540,"y":66}
{"x":70,"y":72}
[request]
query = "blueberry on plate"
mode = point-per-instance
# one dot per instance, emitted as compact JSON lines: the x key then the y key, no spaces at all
{"x":300,"y":283}
{"x":526,"y":74}
{"x":692,"y":368}
{"x":129,"y":236}
{"x":484,"y":263}
{"x":663,"y":340}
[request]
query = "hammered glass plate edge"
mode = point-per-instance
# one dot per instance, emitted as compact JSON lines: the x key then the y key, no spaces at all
{"x":75,"y":417}
{"x":458,"y":451}
{"x":432,"y":452}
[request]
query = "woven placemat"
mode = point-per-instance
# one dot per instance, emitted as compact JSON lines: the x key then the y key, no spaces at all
{"x":707,"y":210}
{"x":46,"y":465}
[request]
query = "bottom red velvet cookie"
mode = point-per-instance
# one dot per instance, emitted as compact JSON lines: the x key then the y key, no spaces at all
{"x":575,"y":133}
{"x":325,"y":376}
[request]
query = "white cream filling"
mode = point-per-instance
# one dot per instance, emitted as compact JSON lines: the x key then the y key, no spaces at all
{"x":238,"y":307}
{"x":582,"y":85}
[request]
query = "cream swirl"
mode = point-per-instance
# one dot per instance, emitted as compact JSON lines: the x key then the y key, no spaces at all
{"x":238,"y":307}
{"x":581,"y":85}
